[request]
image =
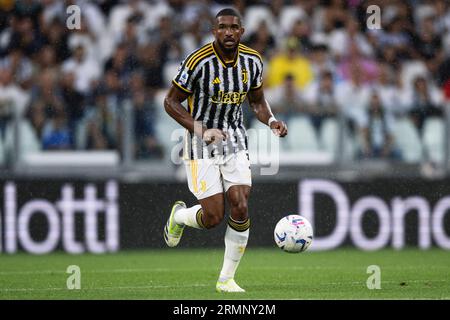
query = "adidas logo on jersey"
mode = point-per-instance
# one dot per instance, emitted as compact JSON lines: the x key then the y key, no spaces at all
{"x":216,"y":80}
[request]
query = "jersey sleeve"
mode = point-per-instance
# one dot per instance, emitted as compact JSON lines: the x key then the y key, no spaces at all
{"x":184,"y":78}
{"x":257,"y":79}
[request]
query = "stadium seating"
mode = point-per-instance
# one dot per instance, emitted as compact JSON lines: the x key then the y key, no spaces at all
{"x":166,"y":128}
{"x":168,"y":133}
{"x":81,"y":135}
{"x":302,"y":136}
{"x":2,"y":152}
{"x":410,"y":70}
{"x":170,"y":70}
{"x":289,"y":16}
{"x":255,"y":15}
{"x":434,"y":139}
{"x":29,"y":140}
{"x":159,"y":103}
{"x":253,"y":140}
{"x":408,"y":140}
{"x":329,"y":134}
{"x":173,"y":29}
{"x":329,"y":141}
{"x":259,"y":135}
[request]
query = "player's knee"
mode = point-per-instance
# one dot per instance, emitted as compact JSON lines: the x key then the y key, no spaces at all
{"x":210,"y":220}
{"x":240,"y":210}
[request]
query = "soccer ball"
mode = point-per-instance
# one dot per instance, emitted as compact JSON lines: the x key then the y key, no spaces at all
{"x":293,"y":233}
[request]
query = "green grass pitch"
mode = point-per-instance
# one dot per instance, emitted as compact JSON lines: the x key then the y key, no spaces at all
{"x":265,"y":274}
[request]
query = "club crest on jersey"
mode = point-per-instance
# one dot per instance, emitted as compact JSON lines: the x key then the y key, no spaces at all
{"x":229,"y":97}
{"x":244,"y":76}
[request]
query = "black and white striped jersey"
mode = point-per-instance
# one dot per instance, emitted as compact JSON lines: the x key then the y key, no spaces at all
{"x":216,"y":91}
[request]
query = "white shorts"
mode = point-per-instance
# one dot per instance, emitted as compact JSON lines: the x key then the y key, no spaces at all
{"x":207,"y":177}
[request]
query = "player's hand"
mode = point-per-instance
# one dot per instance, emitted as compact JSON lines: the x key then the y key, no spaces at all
{"x":279,"y":128}
{"x":214,"y":136}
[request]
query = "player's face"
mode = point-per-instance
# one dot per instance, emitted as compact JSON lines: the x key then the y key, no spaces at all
{"x":228,"y":31}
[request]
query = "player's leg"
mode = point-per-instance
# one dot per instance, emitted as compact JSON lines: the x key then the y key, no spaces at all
{"x":206,"y":215}
{"x":236,"y":237}
{"x":205,"y":183}
{"x":237,"y":181}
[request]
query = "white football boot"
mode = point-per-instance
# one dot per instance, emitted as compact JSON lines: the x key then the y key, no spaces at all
{"x":172,"y":230}
{"x":228,"y":286}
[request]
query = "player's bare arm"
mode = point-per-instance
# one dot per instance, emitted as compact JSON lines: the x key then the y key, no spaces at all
{"x":173,"y":106}
{"x":261,"y":108}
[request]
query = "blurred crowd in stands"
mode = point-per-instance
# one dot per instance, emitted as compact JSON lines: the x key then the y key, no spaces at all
{"x":321,"y":62}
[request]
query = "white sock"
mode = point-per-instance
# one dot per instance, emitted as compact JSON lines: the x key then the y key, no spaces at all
{"x":190,"y":217}
{"x":235,"y":244}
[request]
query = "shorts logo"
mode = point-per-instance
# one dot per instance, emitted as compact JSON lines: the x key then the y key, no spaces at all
{"x":203,"y":185}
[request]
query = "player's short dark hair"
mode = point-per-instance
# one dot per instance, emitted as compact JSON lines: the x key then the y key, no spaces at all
{"x":229,"y":12}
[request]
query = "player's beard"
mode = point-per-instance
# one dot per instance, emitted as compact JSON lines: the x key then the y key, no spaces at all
{"x":228,"y":50}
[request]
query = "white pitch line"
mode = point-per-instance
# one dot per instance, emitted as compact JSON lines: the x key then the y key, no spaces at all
{"x":132,"y":270}
{"x":147,"y":270}
{"x":99,"y":271}
{"x":6,"y":273}
{"x":106,"y":288}
{"x":191,"y":285}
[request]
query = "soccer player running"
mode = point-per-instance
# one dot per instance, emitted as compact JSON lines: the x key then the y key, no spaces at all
{"x":215,"y":79}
